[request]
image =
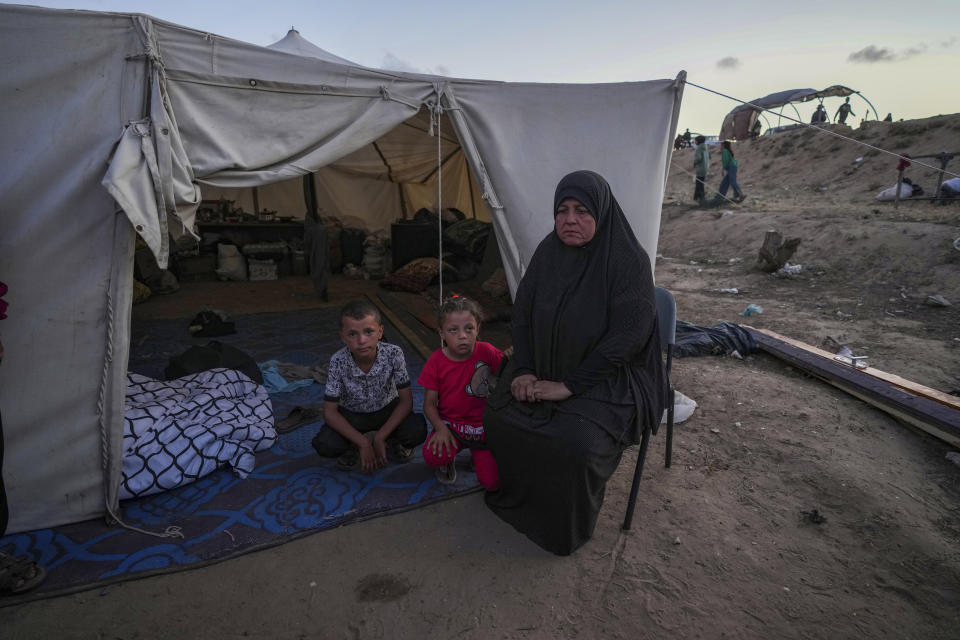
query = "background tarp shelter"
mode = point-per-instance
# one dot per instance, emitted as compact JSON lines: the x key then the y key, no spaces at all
{"x":739,"y":122}
{"x":116,"y":124}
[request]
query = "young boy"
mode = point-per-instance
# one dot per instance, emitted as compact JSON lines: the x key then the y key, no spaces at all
{"x":368,"y":389}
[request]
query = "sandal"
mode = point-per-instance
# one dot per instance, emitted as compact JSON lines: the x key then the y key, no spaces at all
{"x":446,"y":474}
{"x":19,"y":574}
{"x":298,"y":417}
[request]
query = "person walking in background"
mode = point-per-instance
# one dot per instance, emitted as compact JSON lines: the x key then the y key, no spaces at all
{"x":843,"y":111}
{"x":701,"y":167}
{"x":819,"y":116}
{"x":729,"y":164}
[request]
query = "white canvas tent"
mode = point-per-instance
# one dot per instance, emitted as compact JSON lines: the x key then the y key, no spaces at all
{"x":115,"y":125}
{"x":389,"y":179}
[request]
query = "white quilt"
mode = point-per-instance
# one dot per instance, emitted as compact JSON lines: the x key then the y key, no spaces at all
{"x":176,"y":431}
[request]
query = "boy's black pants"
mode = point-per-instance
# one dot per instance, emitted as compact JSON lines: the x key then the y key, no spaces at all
{"x":411,"y":432}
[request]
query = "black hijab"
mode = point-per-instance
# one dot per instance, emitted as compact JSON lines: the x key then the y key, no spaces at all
{"x":586,"y":316}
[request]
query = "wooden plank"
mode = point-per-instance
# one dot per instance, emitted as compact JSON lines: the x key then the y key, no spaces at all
{"x":892,"y":378}
{"x":411,"y":336}
{"x":946,"y":436}
{"x":409,"y":308}
{"x":939,"y":420}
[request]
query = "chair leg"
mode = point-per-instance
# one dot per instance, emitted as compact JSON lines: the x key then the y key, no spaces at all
{"x":669,"y":455}
{"x":635,"y":487}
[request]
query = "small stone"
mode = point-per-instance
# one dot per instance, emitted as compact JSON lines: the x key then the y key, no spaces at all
{"x":937,"y":301}
{"x":313,"y":584}
{"x":676,"y":540}
{"x":714,"y":430}
{"x":737,"y":424}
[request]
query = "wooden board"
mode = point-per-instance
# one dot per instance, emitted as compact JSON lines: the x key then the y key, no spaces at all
{"x":407,"y":324}
{"x":939,"y":420}
{"x":903,"y":383}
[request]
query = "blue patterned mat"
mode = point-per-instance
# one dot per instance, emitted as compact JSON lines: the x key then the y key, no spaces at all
{"x":292,"y":492}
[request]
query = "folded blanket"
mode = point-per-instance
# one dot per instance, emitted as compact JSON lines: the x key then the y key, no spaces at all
{"x":176,"y":431}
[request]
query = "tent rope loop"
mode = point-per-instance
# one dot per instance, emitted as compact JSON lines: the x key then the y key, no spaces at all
{"x":436,"y":110}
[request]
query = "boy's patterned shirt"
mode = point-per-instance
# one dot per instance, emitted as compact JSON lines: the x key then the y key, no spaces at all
{"x":354,"y":390}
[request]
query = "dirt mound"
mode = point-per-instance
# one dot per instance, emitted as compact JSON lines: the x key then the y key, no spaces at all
{"x":869,"y":268}
{"x":805,"y":167}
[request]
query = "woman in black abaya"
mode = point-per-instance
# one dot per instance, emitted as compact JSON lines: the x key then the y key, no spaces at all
{"x":586,"y":377}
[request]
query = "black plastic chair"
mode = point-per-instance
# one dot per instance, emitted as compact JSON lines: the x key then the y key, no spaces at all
{"x":667,"y":320}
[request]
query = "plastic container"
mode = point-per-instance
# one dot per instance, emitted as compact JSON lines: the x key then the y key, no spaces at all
{"x":262,"y":269}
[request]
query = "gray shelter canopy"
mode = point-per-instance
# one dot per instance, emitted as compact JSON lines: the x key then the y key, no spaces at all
{"x":296,"y":44}
{"x":739,"y":122}
{"x":118,"y":124}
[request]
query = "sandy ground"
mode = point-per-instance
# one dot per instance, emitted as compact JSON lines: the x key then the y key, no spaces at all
{"x":791,"y":510}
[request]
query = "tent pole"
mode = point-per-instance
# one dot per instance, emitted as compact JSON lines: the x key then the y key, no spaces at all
{"x":876,"y":115}
{"x":470,"y":182}
{"x":795,"y":109}
{"x":310,"y":197}
{"x":439,"y":200}
{"x":383,"y":159}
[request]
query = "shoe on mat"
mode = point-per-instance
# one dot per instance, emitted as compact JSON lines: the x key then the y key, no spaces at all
{"x":19,"y":574}
{"x":447,"y":474}
{"x":298,"y":417}
{"x":397,"y":452}
{"x":349,"y":460}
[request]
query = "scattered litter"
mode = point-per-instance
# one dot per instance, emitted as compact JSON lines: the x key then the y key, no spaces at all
{"x":789,"y":270}
{"x":937,"y":301}
{"x":693,"y":262}
{"x":737,"y":424}
{"x":676,"y":540}
{"x":735,"y":260}
{"x":858,"y":160}
{"x":845,"y":351}
{"x":714,"y":430}
{"x":227,"y":531}
{"x":733,"y":290}
{"x":833,"y":344}
{"x":954,"y":457}
{"x":788,"y":589}
{"x":752,"y":310}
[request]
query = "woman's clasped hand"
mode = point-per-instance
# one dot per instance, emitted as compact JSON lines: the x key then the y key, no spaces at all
{"x":527,"y":388}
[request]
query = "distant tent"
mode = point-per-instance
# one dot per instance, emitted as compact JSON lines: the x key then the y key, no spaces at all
{"x":739,"y":122}
{"x":296,"y":44}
